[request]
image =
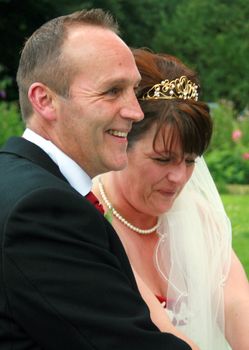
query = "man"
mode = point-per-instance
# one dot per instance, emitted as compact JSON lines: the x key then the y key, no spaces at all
{"x":65,"y":279}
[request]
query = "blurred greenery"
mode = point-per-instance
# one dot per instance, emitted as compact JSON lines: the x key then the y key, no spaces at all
{"x":238,"y":211}
{"x":228,"y":154}
{"x":10,"y":121}
{"x":209,"y":35}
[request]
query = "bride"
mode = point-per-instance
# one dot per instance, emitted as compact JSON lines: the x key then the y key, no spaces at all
{"x":167,"y":212}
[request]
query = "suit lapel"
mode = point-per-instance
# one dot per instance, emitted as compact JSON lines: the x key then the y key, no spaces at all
{"x":25,"y":149}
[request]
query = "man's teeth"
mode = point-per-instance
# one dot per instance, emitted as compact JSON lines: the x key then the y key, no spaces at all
{"x":118,"y":133}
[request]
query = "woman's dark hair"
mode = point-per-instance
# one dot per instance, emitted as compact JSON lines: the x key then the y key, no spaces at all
{"x":186,"y":120}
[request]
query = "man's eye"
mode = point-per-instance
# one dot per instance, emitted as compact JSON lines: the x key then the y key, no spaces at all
{"x":113,"y":91}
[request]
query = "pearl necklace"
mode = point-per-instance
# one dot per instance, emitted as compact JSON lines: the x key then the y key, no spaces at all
{"x":120,"y":217}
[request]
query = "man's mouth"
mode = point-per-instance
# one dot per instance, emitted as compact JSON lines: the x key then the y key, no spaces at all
{"x":118,"y":133}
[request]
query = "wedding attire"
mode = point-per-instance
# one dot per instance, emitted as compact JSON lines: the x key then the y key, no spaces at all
{"x":65,"y":280}
{"x":94,"y":200}
{"x":193,"y":256}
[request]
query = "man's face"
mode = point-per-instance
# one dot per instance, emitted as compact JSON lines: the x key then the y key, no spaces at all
{"x":94,"y":121}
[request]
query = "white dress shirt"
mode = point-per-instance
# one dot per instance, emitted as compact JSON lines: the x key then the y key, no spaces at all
{"x":74,"y":174}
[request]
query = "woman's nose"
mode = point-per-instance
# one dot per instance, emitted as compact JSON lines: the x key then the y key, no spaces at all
{"x":178,"y":173}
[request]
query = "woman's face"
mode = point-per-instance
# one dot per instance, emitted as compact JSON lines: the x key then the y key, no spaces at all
{"x":152,"y":180}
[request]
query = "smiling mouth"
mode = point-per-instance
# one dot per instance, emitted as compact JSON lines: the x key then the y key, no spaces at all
{"x":117,"y":133}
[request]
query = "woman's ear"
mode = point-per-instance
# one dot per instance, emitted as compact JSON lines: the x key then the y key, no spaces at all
{"x":42,"y":100}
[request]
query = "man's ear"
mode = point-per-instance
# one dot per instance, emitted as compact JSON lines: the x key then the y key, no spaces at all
{"x":42,"y":100}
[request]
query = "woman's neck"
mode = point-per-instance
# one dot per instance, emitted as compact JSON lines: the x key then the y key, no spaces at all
{"x":115,"y":192}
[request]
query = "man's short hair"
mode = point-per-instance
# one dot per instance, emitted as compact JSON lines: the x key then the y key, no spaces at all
{"x":42,"y":59}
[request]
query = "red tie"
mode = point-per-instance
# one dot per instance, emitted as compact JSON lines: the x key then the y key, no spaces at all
{"x":94,"y":200}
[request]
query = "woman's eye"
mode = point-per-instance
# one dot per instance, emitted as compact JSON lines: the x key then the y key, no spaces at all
{"x":190,"y":161}
{"x":162,"y":160}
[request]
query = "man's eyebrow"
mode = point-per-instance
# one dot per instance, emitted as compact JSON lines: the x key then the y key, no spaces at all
{"x":121,"y":81}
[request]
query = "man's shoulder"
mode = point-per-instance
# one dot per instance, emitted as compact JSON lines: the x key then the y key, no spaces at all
{"x":21,"y":156}
{"x":25,"y":168}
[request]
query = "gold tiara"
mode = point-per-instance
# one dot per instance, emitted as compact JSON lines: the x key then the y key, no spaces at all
{"x":179,"y":88}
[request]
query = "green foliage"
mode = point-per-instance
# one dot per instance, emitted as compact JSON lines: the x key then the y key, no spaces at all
{"x":228,"y":167}
{"x":223,"y":115}
{"x":18,"y":19}
{"x":209,"y":35}
{"x":237,"y":208}
{"x":140,"y":21}
{"x":228,"y":155}
{"x":10,"y":121}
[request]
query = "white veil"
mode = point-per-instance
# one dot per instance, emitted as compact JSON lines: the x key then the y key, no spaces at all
{"x":193,"y":255}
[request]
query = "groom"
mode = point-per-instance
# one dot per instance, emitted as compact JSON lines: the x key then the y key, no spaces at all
{"x":65,"y":281}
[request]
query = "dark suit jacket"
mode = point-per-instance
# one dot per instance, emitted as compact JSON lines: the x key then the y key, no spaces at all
{"x":65,"y":281}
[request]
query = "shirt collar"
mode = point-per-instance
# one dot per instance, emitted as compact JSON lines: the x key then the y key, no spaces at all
{"x":74,"y":174}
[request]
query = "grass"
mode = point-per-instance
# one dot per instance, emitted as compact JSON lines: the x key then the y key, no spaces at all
{"x":237,"y":208}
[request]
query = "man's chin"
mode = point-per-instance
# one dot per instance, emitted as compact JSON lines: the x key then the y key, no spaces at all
{"x":120,"y":164}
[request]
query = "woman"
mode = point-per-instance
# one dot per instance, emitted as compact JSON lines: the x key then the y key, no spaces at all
{"x":169,"y":216}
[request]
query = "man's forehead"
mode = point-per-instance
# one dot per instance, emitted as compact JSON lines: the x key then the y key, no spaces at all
{"x":101,"y":56}
{"x":91,"y":35}
{"x":96,"y":44}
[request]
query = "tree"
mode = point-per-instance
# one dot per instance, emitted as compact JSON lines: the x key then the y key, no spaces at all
{"x":212,"y":36}
{"x":209,"y":35}
{"x":18,"y":19}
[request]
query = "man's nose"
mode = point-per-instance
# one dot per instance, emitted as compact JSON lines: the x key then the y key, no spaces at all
{"x":132,"y":109}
